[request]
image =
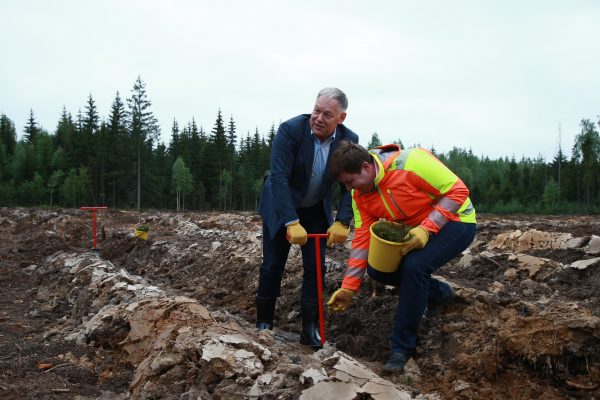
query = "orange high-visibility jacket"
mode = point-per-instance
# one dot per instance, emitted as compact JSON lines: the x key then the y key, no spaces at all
{"x":412,"y":187}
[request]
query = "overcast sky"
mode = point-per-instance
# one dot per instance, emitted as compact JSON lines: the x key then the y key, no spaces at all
{"x":498,"y":77}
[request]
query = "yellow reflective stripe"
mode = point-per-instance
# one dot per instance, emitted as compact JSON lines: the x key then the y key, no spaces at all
{"x":357,"y":218}
{"x":378,"y":178}
{"x":467,"y":212}
{"x":429,"y":169}
{"x":380,"y":170}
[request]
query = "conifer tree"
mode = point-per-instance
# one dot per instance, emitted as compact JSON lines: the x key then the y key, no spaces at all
{"x":586,"y":153}
{"x":271,"y":136}
{"x":557,"y":168}
{"x":231,"y":136}
{"x":375,"y":141}
{"x":44,"y":150}
{"x":143,"y":129}
{"x":64,"y":138}
{"x":8,"y":135}
{"x":87,"y":141}
{"x":175,"y":148}
{"x":118,"y":161}
{"x":31,"y":129}
{"x":230,"y":162}
{"x":214,"y":162}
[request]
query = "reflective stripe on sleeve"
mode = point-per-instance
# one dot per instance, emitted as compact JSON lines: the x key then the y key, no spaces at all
{"x":437,"y":218}
{"x":468,"y":209}
{"x":354,"y":272}
{"x":449,"y":204}
{"x":359,"y":254}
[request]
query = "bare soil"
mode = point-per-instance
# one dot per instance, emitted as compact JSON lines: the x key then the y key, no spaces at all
{"x":520,"y":328}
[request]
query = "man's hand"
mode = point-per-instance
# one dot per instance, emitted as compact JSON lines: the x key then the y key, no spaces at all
{"x":340,"y":300}
{"x":296,"y":234}
{"x":419,"y":237}
{"x":338,"y":233}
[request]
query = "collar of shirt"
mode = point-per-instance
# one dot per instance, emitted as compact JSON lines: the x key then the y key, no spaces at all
{"x":328,"y":140}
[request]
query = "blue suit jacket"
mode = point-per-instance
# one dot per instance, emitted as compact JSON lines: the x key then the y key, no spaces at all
{"x":291,"y":161}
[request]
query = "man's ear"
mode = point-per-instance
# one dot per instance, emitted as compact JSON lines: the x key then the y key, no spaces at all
{"x":342,"y":118}
{"x":369,"y":168}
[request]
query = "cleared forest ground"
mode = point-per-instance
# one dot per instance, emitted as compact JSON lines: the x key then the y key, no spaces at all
{"x":173,"y":316}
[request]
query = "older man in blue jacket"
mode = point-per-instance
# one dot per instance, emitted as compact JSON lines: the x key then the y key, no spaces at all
{"x":296,"y":199}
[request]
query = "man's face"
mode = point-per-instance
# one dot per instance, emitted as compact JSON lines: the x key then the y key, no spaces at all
{"x":363,"y":181}
{"x":326,"y":115}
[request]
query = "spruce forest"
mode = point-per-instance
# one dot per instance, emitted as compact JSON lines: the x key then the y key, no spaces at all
{"x":118,"y":161}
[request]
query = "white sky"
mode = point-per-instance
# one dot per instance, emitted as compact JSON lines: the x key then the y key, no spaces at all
{"x":494,"y":76}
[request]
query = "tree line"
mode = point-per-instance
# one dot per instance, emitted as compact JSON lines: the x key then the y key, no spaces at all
{"x":118,"y":161}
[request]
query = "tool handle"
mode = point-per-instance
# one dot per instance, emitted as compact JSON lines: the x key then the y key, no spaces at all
{"x":318,"y":236}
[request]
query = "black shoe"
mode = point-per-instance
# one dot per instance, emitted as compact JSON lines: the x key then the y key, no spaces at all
{"x":396,"y":362}
{"x":435,"y":307}
{"x":310,"y":326}
{"x":311,"y":338}
{"x":262,"y":325}
{"x":265,"y":312}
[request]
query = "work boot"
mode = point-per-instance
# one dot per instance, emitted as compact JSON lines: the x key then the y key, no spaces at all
{"x":310,"y":326}
{"x":265,"y":313}
{"x":435,"y":307}
{"x":396,"y":362}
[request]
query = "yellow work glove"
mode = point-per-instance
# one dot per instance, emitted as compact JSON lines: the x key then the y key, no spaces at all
{"x":419,"y":237}
{"x":340,"y":300}
{"x":337,"y":233}
{"x":296,"y":234}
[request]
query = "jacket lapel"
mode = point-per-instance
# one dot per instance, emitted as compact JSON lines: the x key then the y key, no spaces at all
{"x":334,"y":145}
{"x":308,"y":149}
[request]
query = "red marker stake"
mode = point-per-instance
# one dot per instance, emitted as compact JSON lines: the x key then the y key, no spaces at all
{"x":318,"y":236}
{"x":94,"y":209}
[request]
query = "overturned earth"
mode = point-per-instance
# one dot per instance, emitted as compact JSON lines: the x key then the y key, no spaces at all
{"x":173,"y":316}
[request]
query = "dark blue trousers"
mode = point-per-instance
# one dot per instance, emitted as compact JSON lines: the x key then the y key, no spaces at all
{"x":416,"y":286}
{"x":275,"y":254}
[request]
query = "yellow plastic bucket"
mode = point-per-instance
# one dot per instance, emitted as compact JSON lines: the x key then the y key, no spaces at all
{"x":384,"y":256}
{"x":141,"y":234}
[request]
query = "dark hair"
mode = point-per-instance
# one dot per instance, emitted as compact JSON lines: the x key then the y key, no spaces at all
{"x":349,"y":158}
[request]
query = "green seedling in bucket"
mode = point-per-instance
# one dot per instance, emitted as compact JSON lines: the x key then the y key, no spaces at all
{"x":141,"y":231}
{"x":392,"y":231}
{"x":386,"y":245}
{"x":142,"y":228}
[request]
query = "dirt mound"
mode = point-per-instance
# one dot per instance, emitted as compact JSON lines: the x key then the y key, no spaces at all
{"x":172,"y":317}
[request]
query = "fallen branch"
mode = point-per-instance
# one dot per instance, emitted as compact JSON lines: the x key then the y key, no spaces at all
{"x":581,"y":386}
{"x":496,"y":263}
{"x":56,"y":366}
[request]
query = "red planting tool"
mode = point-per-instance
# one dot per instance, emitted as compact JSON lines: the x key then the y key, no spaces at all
{"x":318,"y":236}
{"x":94,"y":209}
